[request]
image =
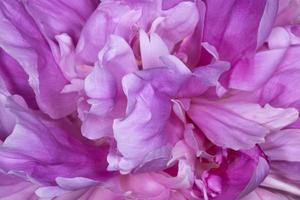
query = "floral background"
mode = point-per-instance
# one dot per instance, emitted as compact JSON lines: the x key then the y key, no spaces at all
{"x":150,"y":99}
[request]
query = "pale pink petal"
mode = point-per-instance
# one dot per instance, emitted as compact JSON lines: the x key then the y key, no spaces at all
{"x":177,"y":23}
{"x":152,"y":48}
{"x":265,"y":194}
{"x":237,"y":126}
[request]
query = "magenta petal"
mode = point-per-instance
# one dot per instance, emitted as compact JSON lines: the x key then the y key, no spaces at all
{"x":225,"y":25}
{"x":251,"y":74}
{"x":55,"y":149}
{"x":15,"y":79}
{"x":149,"y":99}
{"x":61,"y":16}
{"x":228,"y":181}
{"x":258,"y":176}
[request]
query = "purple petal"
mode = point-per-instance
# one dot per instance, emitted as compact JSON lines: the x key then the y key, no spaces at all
{"x":23,"y":42}
{"x":55,"y":17}
{"x":238,"y":125}
{"x":55,"y":150}
{"x":225,"y":25}
{"x":13,"y":187}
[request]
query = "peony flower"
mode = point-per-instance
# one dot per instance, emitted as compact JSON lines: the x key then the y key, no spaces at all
{"x":150,"y":99}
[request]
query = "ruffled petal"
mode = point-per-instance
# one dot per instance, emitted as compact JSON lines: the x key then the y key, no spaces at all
{"x":228,"y":180}
{"x":23,"y":42}
{"x":55,"y":150}
{"x":174,"y":27}
{"x":238,"y":125}
{"x":103,"y":87}
{"x":109,"y":18}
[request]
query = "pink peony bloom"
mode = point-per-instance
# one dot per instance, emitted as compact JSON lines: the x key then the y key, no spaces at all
{"x":150,"y":99}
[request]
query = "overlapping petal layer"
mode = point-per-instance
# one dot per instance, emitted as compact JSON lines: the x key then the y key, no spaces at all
{"x":160,"y":99}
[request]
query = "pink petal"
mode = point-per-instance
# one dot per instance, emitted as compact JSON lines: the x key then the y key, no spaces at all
{"x":243,"y":124}
{"x":152,"y":49}
{"x":251,"y":74}
{"x":56,"y":17}
{"x":225,"y":25}
{"x":228,"y":180}
{"x":178,"y":23}
{"x":24,"y":43}
{"x":55,"y":149}
{"x":13,"y":187}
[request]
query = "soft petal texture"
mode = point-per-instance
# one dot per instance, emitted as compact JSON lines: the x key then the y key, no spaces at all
{"x":283,"y":145}
{"x":267,"y":21}
{"x":177,"y":22}
{"x":12,"y":187}
{"x":280,"y":90}
{"x":240,"y":125}
{"x":149,"y":103}
{"x":251,"y":74}
{"x":53,"y":150}
{"x":152,"y":48}
{"x":281,"y":148}
{"x":23,"y":42}
{"x":281,"y":184}
{"x":226,"y":181}
{"x":190,"y":47}
{"x":92,"y":193}
{"x":61,"y":16}
{"x":103,"y":87}
{"x":15,"y":79}
{"x":288,"y":12}
{"x":264,"y":194}
{"x":224,"y":25}
{"x":105,"y":20}
{"x":158,"y":186}
{"x":258,"y":176}
{"x":149,"y":125}
{"x":149,"y":99}
{"x":7,"y":119}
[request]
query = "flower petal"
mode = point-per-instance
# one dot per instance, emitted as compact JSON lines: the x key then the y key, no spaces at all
{"x":238,"y":125}
{"x":23,"y":42}
{"x":55,"y":149}
{"x":225,"y":25}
